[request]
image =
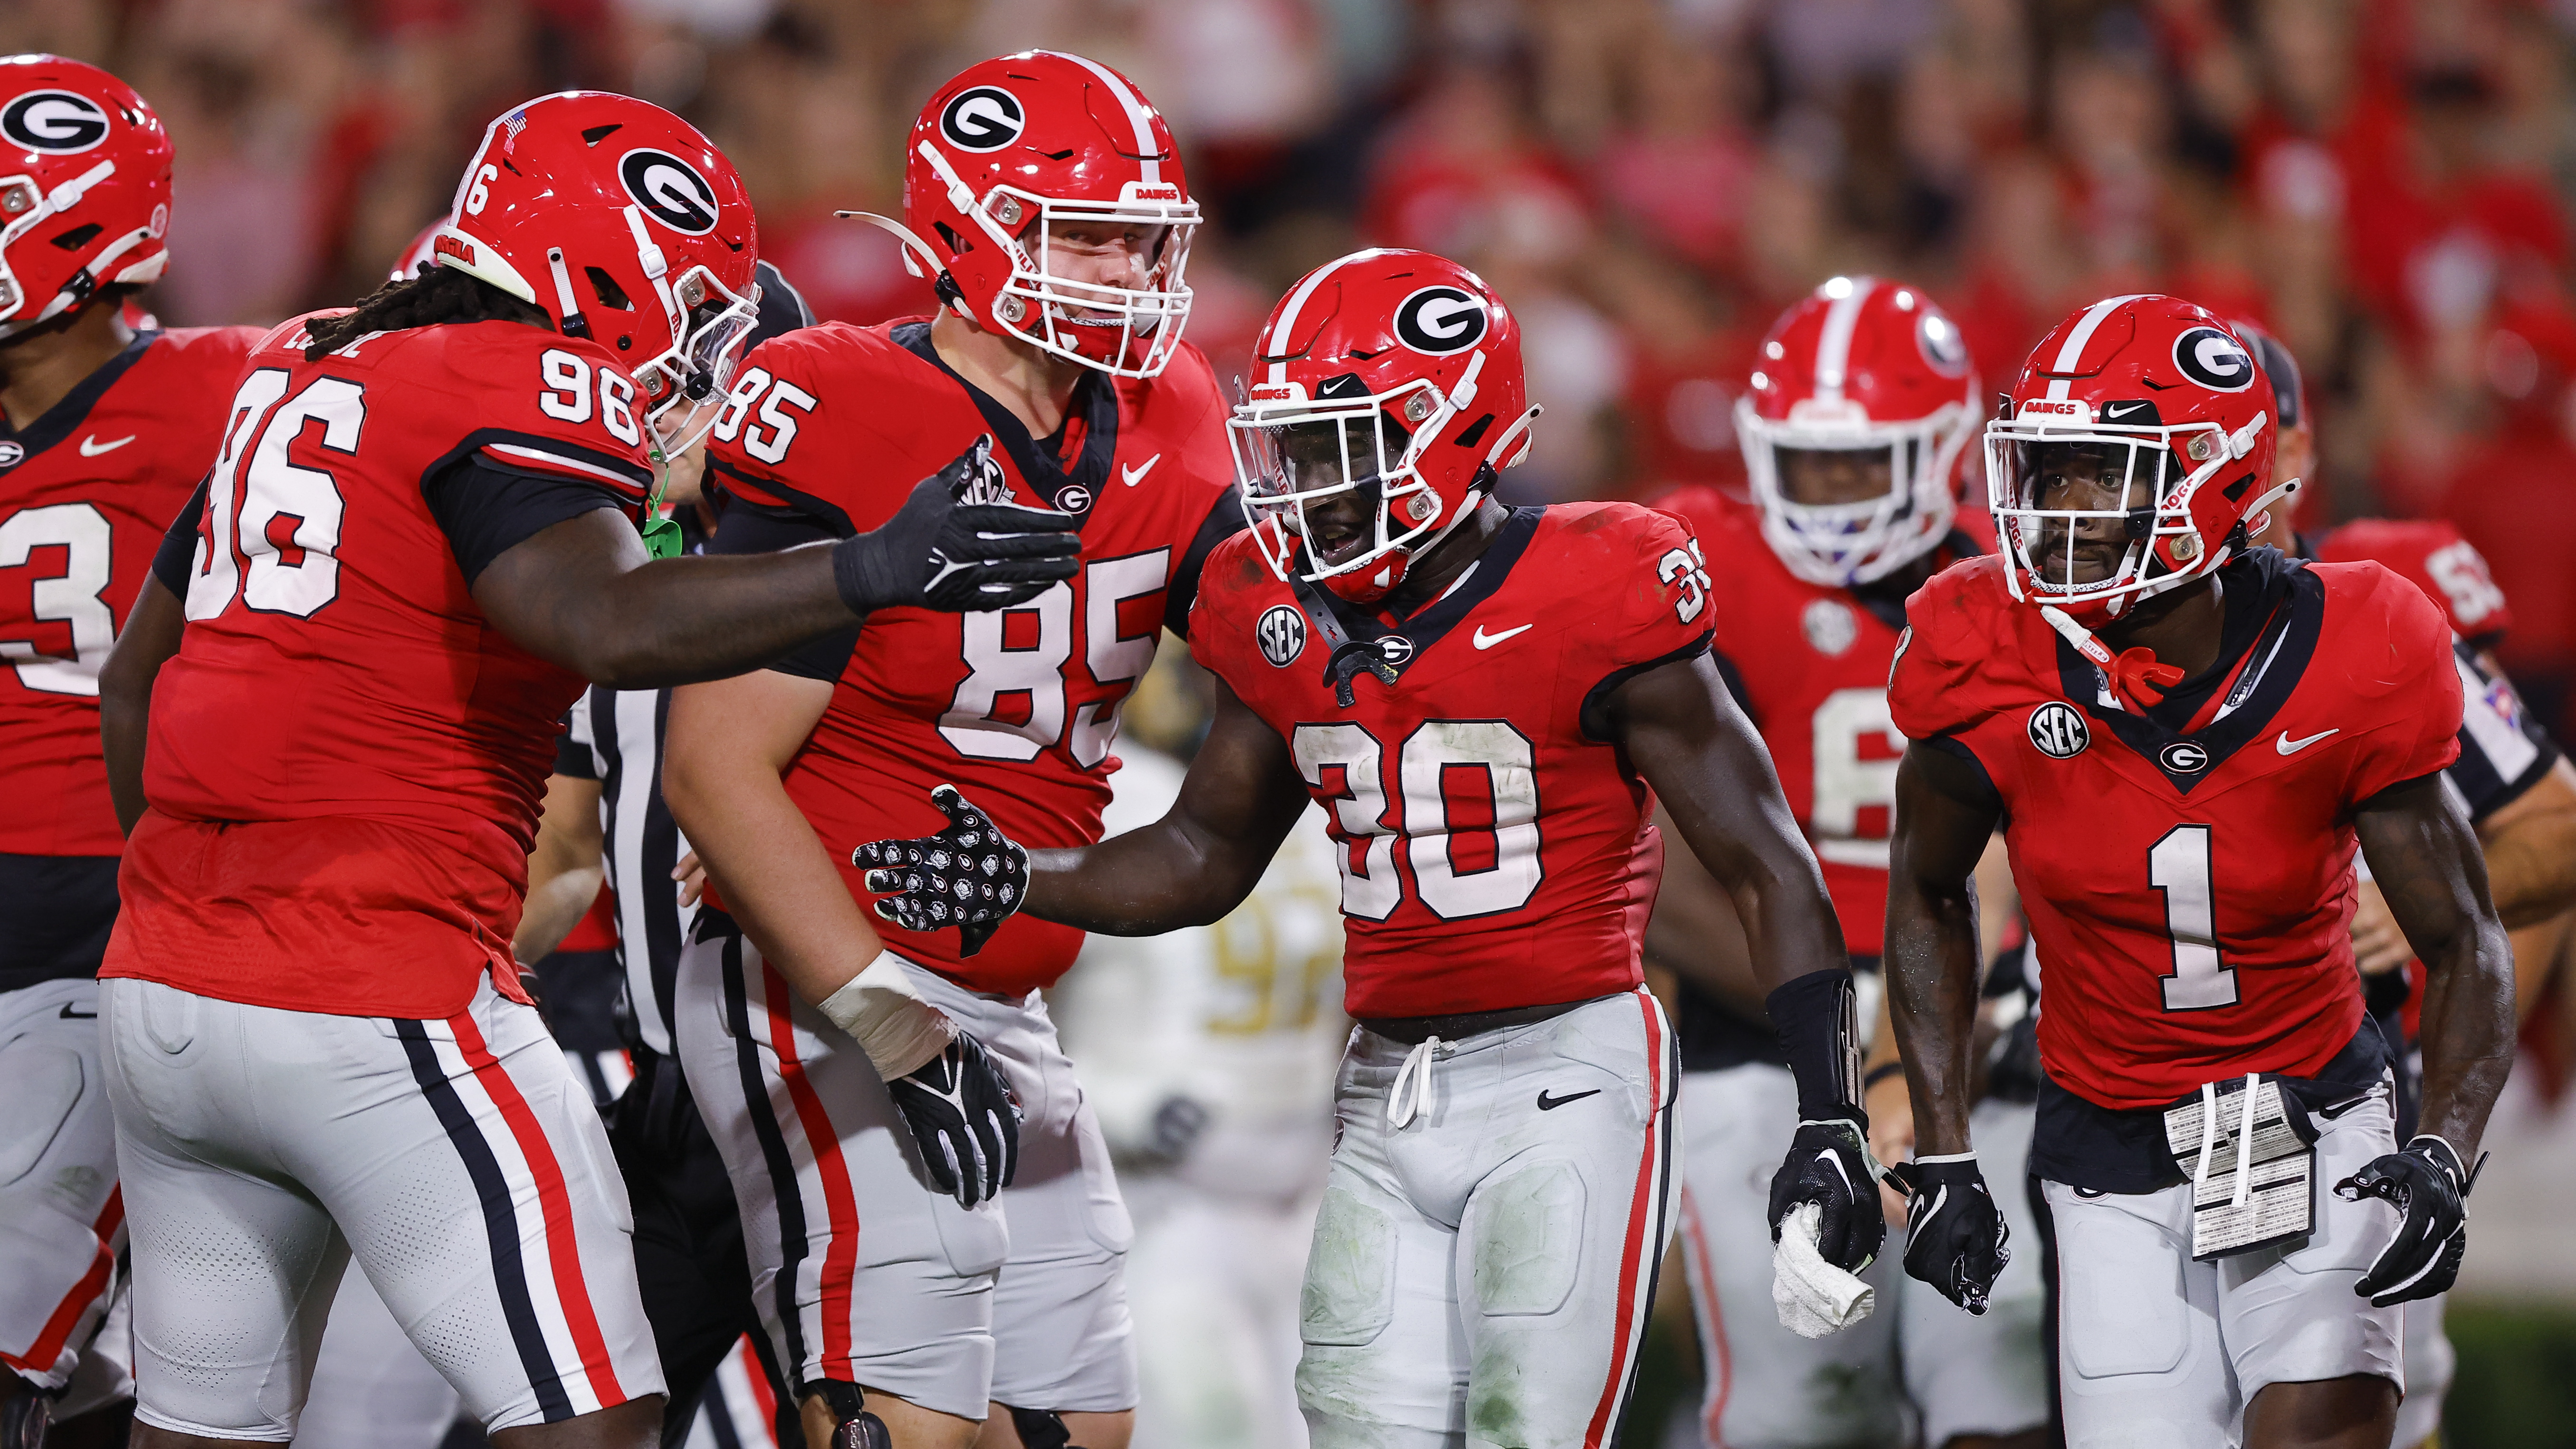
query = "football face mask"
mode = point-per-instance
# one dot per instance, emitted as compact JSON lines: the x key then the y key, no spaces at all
{"x":1341,"y":477}
{"x":1848,"y":506}
{"x":684,"y":385}
{"x":2103,"y":513}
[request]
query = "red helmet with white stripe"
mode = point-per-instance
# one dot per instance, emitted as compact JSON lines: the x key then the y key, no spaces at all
{"x":1395,"y":375}
{"x":1013,"y":155}
{"x":624,"y":224}
{"x":84,"y":188}
{"x":2133,"y":455}
{"x":1872,"y":372}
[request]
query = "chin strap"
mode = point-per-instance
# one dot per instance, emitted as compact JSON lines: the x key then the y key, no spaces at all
{"x":2136,"y":675}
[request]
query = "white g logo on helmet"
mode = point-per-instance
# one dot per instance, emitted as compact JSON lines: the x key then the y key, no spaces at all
{"x":670,"y":190}
{"x":982,"y":118}
{"x":1440,"y":320}
{"x":2214,"y":360}
{"x":59,"y":123}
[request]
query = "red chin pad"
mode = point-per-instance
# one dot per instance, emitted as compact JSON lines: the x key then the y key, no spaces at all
{"x":1367,"y":586}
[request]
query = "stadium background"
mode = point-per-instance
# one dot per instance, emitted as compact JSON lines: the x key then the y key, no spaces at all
{"x":2385,"y":185}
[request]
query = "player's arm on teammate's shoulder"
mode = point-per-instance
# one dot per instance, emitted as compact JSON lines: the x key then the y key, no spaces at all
{"x":1946,"y":813}
{"x":585,"y":594}
{"x":1240,"y":799}
{"x":2425,"y":856}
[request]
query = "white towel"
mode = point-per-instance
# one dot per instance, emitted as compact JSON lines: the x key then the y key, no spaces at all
{"x":1812,"y":1296}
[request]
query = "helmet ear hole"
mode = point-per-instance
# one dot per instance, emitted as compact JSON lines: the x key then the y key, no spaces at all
{"x":605,"y":288}
{"x":78,"y":237}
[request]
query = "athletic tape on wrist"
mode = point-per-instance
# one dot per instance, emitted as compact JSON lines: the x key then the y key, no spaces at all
{"x":886,"y":1016}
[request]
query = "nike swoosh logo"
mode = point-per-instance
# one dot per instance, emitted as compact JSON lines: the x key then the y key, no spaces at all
{"x":70,"y":1015}
{"x":2111,"y":413}
{"x":1547,"y":1104}
{"x":1136,"y":474}
{"x":1488,"y":641}
{"x":91,"y":447}
{"x":2289,"y":746}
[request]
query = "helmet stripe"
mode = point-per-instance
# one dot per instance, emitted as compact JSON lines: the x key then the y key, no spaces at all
{"x":1833,"y":347}
{"x":1286,"y":325}
{"x":2073,"y":352}
{"x":1141,"y":118}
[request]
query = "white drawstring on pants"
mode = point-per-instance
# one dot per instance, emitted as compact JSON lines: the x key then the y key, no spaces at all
{"x":1415,"y":1073}
{"x":2244,"y":1139}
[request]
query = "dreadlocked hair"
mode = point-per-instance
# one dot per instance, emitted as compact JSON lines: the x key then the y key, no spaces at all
{"x":436,"y":294}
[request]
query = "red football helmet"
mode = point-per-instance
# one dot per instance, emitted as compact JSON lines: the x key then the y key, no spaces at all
{"x":2160,"y":398}
{"x":86,"y":188}
{"x":1393,"y":373}
{"x":1011,"y":150}
{"x":1861,"y":366}
{"x":624,"y":224}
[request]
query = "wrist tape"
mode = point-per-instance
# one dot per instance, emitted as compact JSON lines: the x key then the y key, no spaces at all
{"x":886,"y":1016}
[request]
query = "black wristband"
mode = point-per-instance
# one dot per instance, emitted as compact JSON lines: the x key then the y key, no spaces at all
{"x":1817,"y":1017}
{"x":1881,"y":1073}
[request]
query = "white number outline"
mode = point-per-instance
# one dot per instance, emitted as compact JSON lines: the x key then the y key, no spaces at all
{"x":993,"y":671}
{"x":76,"y":596}
{"x":2178,"y":868}
{"x":1420,"y":771}
{"x":1689,"y":568}
{"x":252,"y":479}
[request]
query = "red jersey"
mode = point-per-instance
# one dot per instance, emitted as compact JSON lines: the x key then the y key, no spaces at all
{"x":2189,"y":892}
{"x":85,"y":493}
{"x":1494,"y":844}
{"x":828,"y":430}
{"x":347,"y":760}
{"x":1808,"y":664}
{"x":2432,"y":554}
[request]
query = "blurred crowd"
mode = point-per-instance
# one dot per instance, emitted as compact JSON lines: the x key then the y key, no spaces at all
{"x":2381,"y":183}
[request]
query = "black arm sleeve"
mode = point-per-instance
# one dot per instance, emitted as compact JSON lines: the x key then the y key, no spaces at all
{"x":1223,"y":521}
{"x":179,"y":546}
{"x":486,"y":511}
{"x":754,"y":528}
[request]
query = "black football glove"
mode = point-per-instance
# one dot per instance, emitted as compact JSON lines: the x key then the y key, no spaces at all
{"x":1954,"y":1234}
{"x":964,"y":1119}
{"x":969,"y":875}
{"x":2429,"y":1188}
{"x":953,"y":548}
{"x":1829,"y":1165}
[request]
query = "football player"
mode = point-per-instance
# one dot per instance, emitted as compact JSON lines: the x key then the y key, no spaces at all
{"x":2182,"y":738}
{"x":1045,"y":198}
{"x":419,"y":536}
{"x":2519,"y":787}
{"x":1209,"y":1055}
{"x":1485,"y":701}
{"x":107,"y":431}
{"x":1853,"y":426}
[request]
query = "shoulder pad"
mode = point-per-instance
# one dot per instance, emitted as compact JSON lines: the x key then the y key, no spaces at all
{"x":1961,"y":628}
